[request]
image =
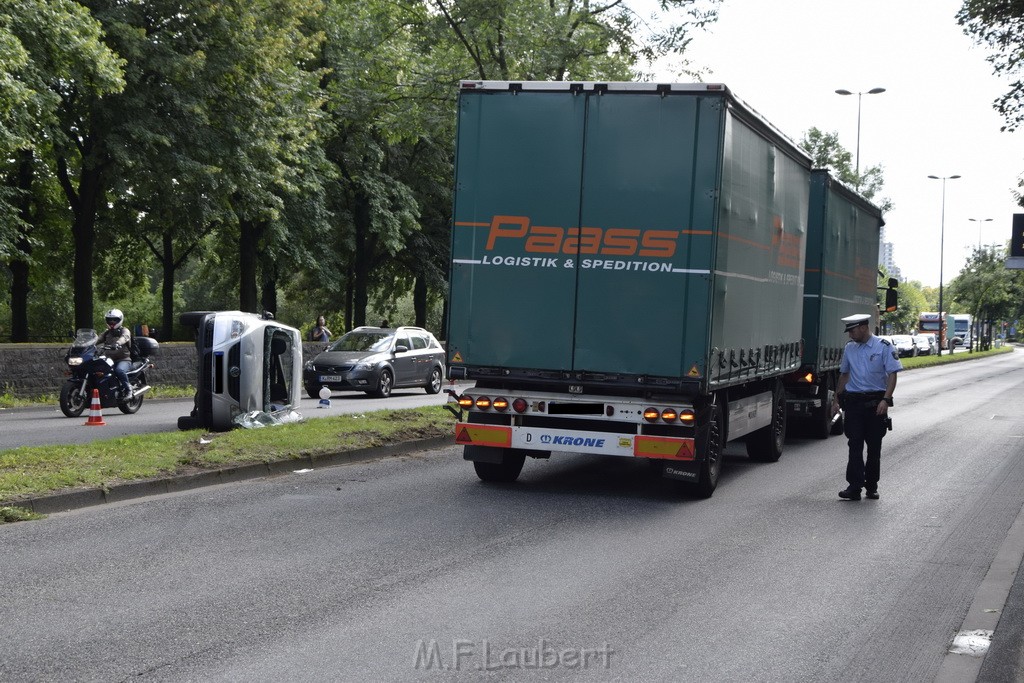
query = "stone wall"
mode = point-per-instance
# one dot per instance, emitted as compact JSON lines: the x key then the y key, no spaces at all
{"x":31,"y":370}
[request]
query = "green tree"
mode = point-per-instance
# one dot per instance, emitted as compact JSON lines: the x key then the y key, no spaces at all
{"x":999,"y":24}
{"x":50,"y":51}
{"x":827,"y":152}
{"x":986,"y":289}
{"x":904,"y":320}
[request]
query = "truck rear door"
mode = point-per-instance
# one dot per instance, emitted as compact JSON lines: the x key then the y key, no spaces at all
{"x":518,"y":170}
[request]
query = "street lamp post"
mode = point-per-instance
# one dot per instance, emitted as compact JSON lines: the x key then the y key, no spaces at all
{"x":873,"y":91}
{"x":979,"y":221}
{"x":942,"y":238}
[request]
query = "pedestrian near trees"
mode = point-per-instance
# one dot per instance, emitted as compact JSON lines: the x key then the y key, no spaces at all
{"x":320,"y":333}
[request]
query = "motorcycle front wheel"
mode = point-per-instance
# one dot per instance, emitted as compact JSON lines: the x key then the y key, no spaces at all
{"x":72,"y":399}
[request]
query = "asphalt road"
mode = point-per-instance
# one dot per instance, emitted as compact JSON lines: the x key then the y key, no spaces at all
{"x":47,"y":425}
{"x":409,"y":568}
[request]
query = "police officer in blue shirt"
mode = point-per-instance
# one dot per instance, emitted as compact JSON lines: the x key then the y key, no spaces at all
{"x":867,"y":381}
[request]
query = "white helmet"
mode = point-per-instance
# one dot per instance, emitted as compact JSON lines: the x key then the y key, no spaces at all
{"x":114,"y":316}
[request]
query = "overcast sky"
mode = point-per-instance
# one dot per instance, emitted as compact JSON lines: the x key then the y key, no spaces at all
{"x":786,"y":58}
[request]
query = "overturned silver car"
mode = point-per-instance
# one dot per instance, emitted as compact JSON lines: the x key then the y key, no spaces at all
{"x":246,"y":363}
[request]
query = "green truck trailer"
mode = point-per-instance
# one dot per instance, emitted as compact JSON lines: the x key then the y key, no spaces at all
{"x":841,"y":279}
{"x":627,"y":276}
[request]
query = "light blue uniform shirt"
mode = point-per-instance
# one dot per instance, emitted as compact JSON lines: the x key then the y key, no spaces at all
{"x":869,"y":364}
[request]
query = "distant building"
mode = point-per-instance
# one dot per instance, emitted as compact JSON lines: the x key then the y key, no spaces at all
{"x":885,"y":257}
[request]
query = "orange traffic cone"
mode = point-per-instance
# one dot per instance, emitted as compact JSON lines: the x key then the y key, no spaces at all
{"x":95,"y":411}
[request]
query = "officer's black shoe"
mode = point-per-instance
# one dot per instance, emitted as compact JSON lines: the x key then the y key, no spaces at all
{"x":850,"y":494}
{"x":873,"y":495}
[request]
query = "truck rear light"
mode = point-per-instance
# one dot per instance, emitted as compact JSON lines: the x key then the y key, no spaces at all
{"x":809,"y":378}
{"x":483,"y":403}
{"x":519,"y":405}
{"x":501,"y":404}
{"x":465,"y":401}
{"x":669,"y":415}
{"x":687,"y":416}
{"x":652,"y":414}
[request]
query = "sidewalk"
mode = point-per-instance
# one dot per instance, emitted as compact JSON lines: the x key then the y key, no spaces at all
{"x":990,"y":643}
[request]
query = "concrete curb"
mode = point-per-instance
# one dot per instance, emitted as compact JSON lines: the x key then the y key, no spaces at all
{"x":971,"y":644}
{"x":64,"y":501}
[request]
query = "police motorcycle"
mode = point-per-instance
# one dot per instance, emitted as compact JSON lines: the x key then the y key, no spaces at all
{"x":89,"y":368}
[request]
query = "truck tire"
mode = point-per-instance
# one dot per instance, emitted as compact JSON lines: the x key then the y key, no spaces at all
{"x":765,"y":445}
{"x":712,"y":442}
{"x":503,"y":472}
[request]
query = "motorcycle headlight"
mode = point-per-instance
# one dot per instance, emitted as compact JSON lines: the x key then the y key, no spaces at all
{"x":75,"y":361}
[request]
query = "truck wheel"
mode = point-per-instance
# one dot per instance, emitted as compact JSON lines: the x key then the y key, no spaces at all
{"x":504,"y":472}
{"x":765,"y":445}
{"x":713,"y":445}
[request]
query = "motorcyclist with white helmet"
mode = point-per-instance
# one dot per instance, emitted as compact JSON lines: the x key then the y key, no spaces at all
{"x":117,"y":339}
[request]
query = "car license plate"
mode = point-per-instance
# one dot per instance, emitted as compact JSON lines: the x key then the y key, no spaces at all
{"x":330,"y":378}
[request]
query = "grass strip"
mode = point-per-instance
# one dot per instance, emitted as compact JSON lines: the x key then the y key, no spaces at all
{"x":36,"y":470}
{"x":928,"y":361}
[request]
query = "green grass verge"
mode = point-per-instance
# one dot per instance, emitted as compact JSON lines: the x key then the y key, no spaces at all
{"x":13,"y":513}
{"x":9,"y":400}
{"x":32,"y":471}
{"x":928,"y":361}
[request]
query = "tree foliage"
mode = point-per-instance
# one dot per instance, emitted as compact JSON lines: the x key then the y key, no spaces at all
{"x":999,"y":24}
{"x":827,"y":152}
{"x":286,"y":154}
{"x":986,"y":289}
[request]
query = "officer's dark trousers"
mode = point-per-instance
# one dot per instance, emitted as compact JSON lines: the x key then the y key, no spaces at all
{"x":864,"y":427}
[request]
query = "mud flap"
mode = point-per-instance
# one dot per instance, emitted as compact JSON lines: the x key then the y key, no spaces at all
{"x":683,"y":471}
{"x":483,"y":454}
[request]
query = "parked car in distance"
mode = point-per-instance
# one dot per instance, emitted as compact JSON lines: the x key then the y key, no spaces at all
{"x":933,"y":342}
{"x":904,"y":345}
{"x":924,"y":347}
{"x":376,"y":360}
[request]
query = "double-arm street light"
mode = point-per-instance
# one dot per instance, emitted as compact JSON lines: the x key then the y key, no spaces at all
{"x":942,"y":238}
{"x":873,"y":91}
{"x":979,"y":221}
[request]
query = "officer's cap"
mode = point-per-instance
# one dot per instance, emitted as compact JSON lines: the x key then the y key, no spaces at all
{"x":852,"y":321}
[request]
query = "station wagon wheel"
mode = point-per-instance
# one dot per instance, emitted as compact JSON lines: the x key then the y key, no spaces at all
{"x":385,"y":384}
{"x":434,"y":383}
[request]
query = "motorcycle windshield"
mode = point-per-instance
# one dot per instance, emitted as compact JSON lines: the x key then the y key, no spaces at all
{"x":85,"y":337}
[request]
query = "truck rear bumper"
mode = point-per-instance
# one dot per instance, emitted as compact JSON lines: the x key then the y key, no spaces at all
{"x":575,"y":441}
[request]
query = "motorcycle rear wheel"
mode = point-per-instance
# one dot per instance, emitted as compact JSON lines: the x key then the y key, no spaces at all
{"x":72,"y":399}
{"x":131,"y":407}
